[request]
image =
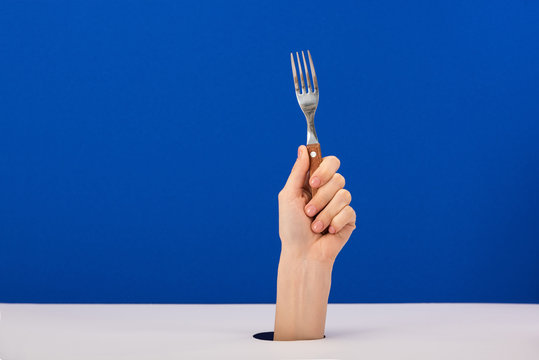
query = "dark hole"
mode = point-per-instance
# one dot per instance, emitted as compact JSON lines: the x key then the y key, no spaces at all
{"x":268,"y":335}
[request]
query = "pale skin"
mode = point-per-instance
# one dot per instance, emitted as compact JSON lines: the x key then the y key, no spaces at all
{"x":313,"y":230}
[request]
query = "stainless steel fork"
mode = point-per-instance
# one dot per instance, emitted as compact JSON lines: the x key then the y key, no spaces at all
{"x":308,"y":102}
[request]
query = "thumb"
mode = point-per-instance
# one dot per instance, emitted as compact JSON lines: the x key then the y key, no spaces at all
{"x":297,"y":177}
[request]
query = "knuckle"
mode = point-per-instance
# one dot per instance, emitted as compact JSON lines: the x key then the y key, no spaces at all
{"x":336,"y":223}
{"x":352,"y":213}
{"x":334,"y":159}
{"x":345,"y":195}
{"x":340,"y":180}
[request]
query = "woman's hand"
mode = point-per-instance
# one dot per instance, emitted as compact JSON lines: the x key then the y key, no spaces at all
{"x":315,"y":228}
{"x":313,"y":231}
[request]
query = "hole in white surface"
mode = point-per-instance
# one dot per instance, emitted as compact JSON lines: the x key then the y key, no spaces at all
{"x":268,"y":336}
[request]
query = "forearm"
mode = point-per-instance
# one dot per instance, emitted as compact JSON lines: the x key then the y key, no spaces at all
{"x":302,"y":296}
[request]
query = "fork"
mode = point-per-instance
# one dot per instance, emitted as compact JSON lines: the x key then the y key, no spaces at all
{"x":308,"y":102}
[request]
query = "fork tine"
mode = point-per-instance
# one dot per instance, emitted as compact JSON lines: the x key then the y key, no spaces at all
{"x":301,"y":75}
{"x":315,"y":80}
{"x":307,"y":73}
{"x":294,"y":74}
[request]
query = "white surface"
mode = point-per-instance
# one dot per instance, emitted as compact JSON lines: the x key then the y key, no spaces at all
{"x":353,"y":331}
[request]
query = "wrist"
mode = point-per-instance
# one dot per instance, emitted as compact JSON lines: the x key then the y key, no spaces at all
{"x":304,"y":272}
{"x":293,"y":256}
{"x":301,"y":277}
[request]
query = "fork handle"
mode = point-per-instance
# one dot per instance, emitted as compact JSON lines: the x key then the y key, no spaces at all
{"x":315,"y":158}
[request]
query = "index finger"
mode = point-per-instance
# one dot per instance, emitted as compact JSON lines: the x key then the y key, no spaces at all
{"x":328,"y":167}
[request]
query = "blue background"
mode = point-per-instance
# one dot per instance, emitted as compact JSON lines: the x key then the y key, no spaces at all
{"x":143,"y":144}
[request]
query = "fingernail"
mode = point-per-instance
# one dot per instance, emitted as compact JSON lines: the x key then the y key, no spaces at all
{"x":311,"y":210}
{"x":331,"y":230}
{"x":299,"y":151}
{"x":315,"y":181}
{"x":317,"y":226}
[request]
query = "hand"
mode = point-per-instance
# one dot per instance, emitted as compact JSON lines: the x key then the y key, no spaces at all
{"x":308,"y":253}
{"x":303,"y":218}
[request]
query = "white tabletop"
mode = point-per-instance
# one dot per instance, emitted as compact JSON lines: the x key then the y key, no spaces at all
{"x":353,"y":331}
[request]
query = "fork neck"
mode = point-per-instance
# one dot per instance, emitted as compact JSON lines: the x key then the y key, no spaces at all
{"x":312,"y":138}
